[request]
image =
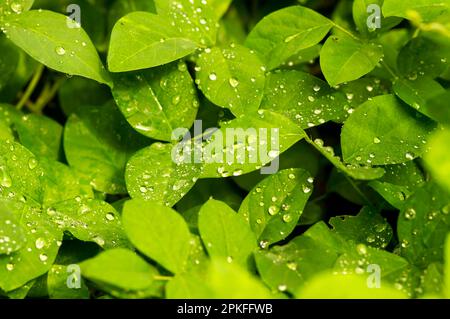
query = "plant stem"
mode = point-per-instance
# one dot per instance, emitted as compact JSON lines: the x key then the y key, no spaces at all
{"x":346,"y":32}
{"x":30,"y":89}
{"x":388,"y":68}
{"x":163,"y":278}
{"x":47,"y":94}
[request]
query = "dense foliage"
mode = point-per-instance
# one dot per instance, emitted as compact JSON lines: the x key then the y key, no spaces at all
{"x":95,"y":202}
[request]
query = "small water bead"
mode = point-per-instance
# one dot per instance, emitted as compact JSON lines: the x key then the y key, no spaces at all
{"x":213,"y":77}
{"x":40,"y":243}
{"x":404,"y":243}
{"x":311,"y":98}
{"x":361,"y":249}
{"x":43,"y":257}
{"x":409,"y":156}
{"x":310,"y":180}
{"x":282,"y":287}
{"x":60,"y":51}
{"x":32,"y":163}
{"x":233,"y":82}
{"x":316,"y":88}
{"x":287,"y":218}
{"x":371,"y":239}
{"x":273,"y":210}
{"x":410,"y":213}
{"x":229,"y":259}
{"x":376,"y":140}
{"x":263,"y":244}
{"x":110,"y":216}
{"x":9,"y":267}
{"x":306,"y":189}
{"x":259,"y":221}
{"x":292,"y":265}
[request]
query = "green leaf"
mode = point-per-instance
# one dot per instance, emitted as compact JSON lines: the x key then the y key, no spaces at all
{"x":220,"y":7}
{"x":367,"y":227}
{"x":417,"y":93}
{"x":275,"y":205}
{"x":231,"y":77}
{"x":37,"y":255}
{"x":8,"y":61}
{"x":8,"y":8}
{"x":253,"y":141}
{"x":362,"y":16}
{"x":41,"y":135}
{"x":345,"y":59}
{"x":436,"y":108}
{"x":20,"y":173}
{"x":286,"y":32}
{"x":153,"y":174}
{"x":422,"y":57}
{"x":61,"y":183}
{"x":57,"y":44}
{"x":57,"y":285}
{"x":427,"y":9}
{"x":159,"y":232}
{"x":121,"y":268}
{"x":94,"y":145}
{"x":329,"y":286}
{"x":384,"y":131}
{"x":224,"y":233}
{"x":142,"y":40}
{"x":356,"y":171}
{"x":437,"y":159}
{"x":222,"y":281}
{"x":12,"y":236}
{"x":447,"y":268}
{"x":313,"y":105}
{"x":89,"y":220}
{"x":157,"y":101}
{"x":423,"y":225}
{"x":195,"y":19}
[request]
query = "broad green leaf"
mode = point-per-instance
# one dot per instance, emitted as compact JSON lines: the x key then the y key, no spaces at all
{"x":220,"y":7}
{"x":422,"y":57}
{"x":231,"y":77}
{"x":417,"y":93}
{"x":303,"y":98}
{"x":399,"y":182}
{"x":423,"y":225}
{"x":367,"y":227}
{"x":427,"y":9}
{"x":159,"y":232}
{"x":12,"y":235}
{"x":8,"y":61}
{"x":286,"y":32}
{"x":344,"y":59}
{"x":288,"y":267}
{"x":437,"y":109}
{"x":221,"y":281}
{"x":437,"y":159}
{"x":58,"y":288}
{"x":359,"y":91}
{"x":247,"y":143}
{"x":195,"y":19}
{"x":153,"y":174}
{"x":142,"y":40}
{"x":20,"y":173}
{"x":98,"y":143}
{"x":89,"y":220}
{"x":356,"y":171}
{"x":37,"y":255}
{"x":120,"y":9}
{"x":384,"y":131}
{"x":121,"y":268}
{"x":8,"y":7}
{"x":61,"y":183}
{"x":330,"y":286}
{"x":225,"y":234}
{"x":57,"y":43}
{"x":157,"y":101}
{"x":5,"y":131}
{"x":41,"y":135}
{"x":275,"y":205}
{"x":363,"y":17}
{"x":392,"y":42}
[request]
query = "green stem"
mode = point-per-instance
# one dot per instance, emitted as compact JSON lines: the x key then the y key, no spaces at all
{"x":30,"y":89}
{"x":388,"y":68}
{"x":162,"y":278}
{"x":47,"y":95}
{"x":346,"y":32}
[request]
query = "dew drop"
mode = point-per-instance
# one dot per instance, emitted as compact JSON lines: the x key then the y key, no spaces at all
{"x":233,"y":82}
{"x":60,"y":51}
{"x":410,"y":213}
{"x":376,"y":140}
{"x":40,"y":243}
{"x":110,"y":216}
{"x":43,"y":257}
{"x":213,"y":77}
{"x":32,"y":163}
{"x":9,"y":267}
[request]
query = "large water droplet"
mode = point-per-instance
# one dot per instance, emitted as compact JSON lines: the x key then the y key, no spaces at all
{"x":60,"y":51}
